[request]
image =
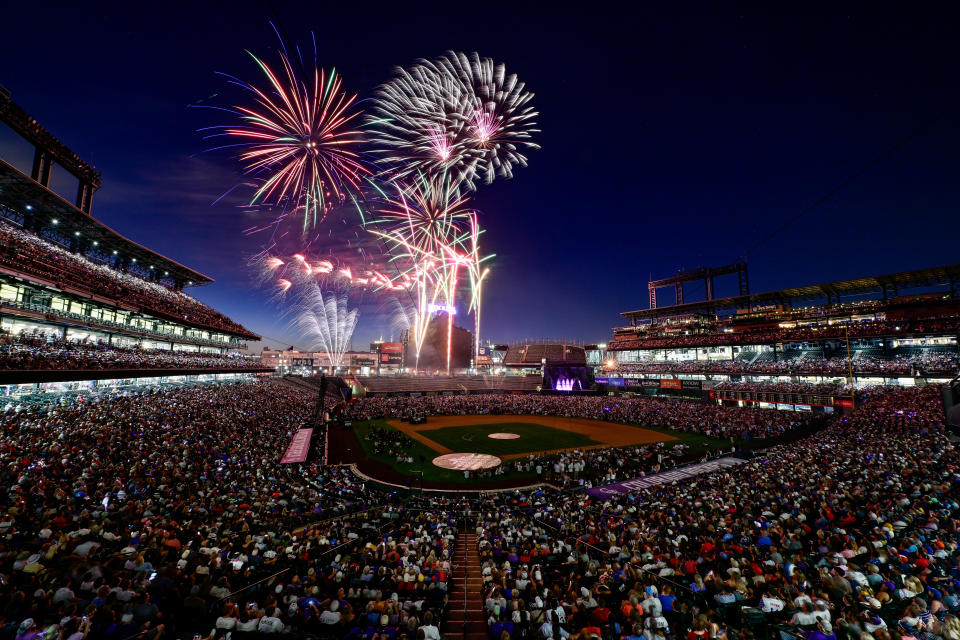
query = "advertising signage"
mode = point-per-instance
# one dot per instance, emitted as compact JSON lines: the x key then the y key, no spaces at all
{"x":391,"y":347}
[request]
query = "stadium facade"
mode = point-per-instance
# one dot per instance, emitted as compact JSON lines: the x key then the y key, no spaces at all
{"x":899,"y":329}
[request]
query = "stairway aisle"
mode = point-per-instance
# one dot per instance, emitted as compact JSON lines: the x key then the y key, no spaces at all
{"x":466,"y":624}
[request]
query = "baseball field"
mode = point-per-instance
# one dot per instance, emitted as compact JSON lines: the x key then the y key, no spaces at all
{"x":509,"y":437}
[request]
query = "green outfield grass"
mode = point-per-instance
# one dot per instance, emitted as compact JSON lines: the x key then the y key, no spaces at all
{"x":533,"y":437}
{"x":419,"y":451}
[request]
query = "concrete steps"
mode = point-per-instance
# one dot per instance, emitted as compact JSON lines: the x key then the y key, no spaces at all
{"x":465,"y":619}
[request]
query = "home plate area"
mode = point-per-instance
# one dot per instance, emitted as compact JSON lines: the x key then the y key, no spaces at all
{"x":466,"y":461}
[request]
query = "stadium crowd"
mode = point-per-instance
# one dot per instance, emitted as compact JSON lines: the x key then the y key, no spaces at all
{"x":805,"y":363}
{"x":26,"y":252}
{"x":700,"y":417}
{"x":851,"y":534}
{"x":593,"y":467}
{"x":162,"y":514}
{"x":140,"y":514}
{"x":389,"y":442}
{"x":35,"y":350}
{"x":766,"y":335}
{"x":786,"y":387}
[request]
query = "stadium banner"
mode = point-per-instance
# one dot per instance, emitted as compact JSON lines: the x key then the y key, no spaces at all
{"x":671,"y":384}
{"x":650,"y":384}
{"x":391,"y":347}
{"x":299,"y":447}
{"x":674,"y":475}
{"x":691,"y":384}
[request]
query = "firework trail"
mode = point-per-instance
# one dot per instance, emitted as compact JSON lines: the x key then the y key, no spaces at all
{"x":425,"y":224}
{"x":283,"y":272}
{"x":323,"y":318}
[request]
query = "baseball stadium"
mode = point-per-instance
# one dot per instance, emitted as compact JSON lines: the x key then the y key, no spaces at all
{"x":720,"y":463}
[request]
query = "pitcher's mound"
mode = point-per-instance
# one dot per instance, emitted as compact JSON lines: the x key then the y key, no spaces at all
{"x":466,"y":461}
{"x":504,"y":436}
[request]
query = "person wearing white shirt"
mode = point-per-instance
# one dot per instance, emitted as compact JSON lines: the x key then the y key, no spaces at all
{"x":270,"y":624}
{"x":331,"y":615}
{"x":804,"y":617}
{"x":546,"y":631}
{"x":651,"y":606}
{"x":770,"y":604}
{"x":430,"y":630}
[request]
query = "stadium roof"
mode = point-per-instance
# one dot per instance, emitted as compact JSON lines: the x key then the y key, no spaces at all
{"x":18,"y":191}
{"x":34,"y":133}
{"x":889,"y":285}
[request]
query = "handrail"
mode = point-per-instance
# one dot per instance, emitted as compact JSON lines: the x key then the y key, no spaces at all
{"x":466,"y":583}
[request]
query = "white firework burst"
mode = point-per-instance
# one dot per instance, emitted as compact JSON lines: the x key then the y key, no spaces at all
{"x":461,"y":115}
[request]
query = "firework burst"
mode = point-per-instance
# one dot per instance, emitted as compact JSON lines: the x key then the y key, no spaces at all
{"x":297,"y":140}
{"x":426,"y":224}
{"x":501,"y":118}
{"x":458,"y":115}
{"x":418,"y":123}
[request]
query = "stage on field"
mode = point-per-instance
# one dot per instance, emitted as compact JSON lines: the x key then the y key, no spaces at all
{"x":534,"y":434}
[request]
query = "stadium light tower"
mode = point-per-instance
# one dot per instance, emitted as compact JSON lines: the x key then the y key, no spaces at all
{"x":476,"y":318}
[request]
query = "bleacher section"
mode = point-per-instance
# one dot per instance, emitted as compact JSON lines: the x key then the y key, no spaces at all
{"x":335,"y":387}
{"x":24,"y":254}
{"x":375,"y":385}
{"x":83,"y":305}
{"x":533,"y":355}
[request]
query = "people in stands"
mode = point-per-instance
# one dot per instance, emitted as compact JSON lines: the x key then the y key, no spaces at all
{"x":705,"y":418}
{"x":30,"y":254}
{"x":166,"y":513}
{"x":765,"y":335}
{"x":925,"y":363}
{"x":37,"y":350}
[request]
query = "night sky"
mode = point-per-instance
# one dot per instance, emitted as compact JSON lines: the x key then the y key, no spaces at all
{"x":669,"y":139}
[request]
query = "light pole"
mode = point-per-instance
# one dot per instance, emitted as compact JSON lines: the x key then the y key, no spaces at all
{"x":477,"y":299}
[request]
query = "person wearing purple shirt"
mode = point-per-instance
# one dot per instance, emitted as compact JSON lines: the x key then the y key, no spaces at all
{"x":819,"y":633}
{"x":27,"y":630}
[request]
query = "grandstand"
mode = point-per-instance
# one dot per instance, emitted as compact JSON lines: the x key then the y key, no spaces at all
{"x":78,"y":301}
{"x":533,"y":355}
{"x":873,"y":330}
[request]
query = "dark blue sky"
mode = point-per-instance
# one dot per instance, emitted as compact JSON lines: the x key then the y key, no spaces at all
{"x":673,"y":136}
